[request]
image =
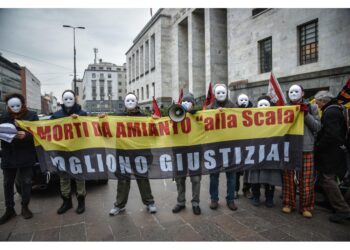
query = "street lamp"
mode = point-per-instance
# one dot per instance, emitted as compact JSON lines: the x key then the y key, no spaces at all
{"x":75,"y":70}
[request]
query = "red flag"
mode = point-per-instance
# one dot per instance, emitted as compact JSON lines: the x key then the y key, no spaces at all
{"x":274,"y":91}
{"x":180,"y":96}
{"x":156,"y":110}
{"x":344,"y":95}
{"x":210,"y":97}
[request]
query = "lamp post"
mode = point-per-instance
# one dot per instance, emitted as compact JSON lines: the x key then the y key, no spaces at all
{"x":75,"y":70}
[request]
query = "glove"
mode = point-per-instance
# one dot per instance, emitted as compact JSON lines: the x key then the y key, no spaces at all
{"x":304,"y":107}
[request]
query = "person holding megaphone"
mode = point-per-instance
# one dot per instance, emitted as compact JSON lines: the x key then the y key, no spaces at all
{"x":187,"y":104}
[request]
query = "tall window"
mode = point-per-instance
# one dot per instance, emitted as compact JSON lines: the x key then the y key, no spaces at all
{"x":138,"y":94}
{"x":146,"y":56}
{"x":142,"y":61}
{"x":133,"y":67}
{"x":109,"y":75}
{"x":129,"y":69}
{"x":265,"y":51}
{"x":141,"y":93}
{"x":308,"y":42}
{"x":109,"y":88}
{"x":137,"y":64}
{"x":147,"y":91}
{"x":93,"y":75}
{"x":94,"y":93}
{"x":153,"y":52}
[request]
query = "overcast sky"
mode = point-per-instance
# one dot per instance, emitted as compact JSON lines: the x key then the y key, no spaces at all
{"x":36,"y":39}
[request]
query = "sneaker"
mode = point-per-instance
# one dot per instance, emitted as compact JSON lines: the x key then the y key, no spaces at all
{"x":177,"y":208}
{"x":26,"y":213}
{"x":152,"y":209}
{"x":307,"y":214}
{"x":116,"y":210}
{"x":339,"y":217}
{"x":287,"y":210}
{"x":196,"y":210}
{"x":214,"y":204}
{"x":232,"y":206}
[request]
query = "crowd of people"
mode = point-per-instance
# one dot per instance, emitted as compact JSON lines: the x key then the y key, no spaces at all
{"x":324,"y":158}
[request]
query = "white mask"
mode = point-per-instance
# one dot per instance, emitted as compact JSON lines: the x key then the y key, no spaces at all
{"x":263,"y":103}
{"x":68,"y":99}
{"x":295,"y":93}
{"x":220,"y":93}
{"x":130,"y":102}
{"x":243,"y":100}
{"x":14,"y":104}
{"x":187,"y":105}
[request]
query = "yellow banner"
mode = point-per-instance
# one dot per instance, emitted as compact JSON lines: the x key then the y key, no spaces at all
{"x":125,"y":132}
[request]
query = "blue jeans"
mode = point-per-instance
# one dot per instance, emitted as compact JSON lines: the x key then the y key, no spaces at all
{"x":214,"y":186}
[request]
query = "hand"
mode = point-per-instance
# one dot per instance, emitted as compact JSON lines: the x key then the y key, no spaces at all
{"x":74,"y":116}
{"x":220,"y":109}
{"x":21,"y":135}
{"x":304,"y":107}
{"x":155,"y":117}
{"x":101,"y":115}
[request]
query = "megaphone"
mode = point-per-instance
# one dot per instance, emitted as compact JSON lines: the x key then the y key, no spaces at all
{"x":176,"y":113}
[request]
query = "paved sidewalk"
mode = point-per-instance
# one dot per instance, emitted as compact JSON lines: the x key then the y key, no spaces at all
{"x":248,"y":223}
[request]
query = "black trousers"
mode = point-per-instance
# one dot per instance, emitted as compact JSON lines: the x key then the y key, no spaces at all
{"x":24,"y":178}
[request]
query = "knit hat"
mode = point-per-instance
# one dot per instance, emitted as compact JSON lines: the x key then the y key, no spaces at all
{"x":188,"y":98}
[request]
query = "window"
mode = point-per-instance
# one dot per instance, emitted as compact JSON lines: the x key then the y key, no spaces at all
{"x":109,"y":88}
{"x":119,"y":90}
{"x":129,"y":67}
{"x":94,"y":94}
{"x":109,"y":75}
{"x":137,"y":64}
{"x":153,"y":52}
{"x":146,"y":57}
{"x":93,"y":75}
{"x":308,"y":42}
{"x":93,"y":68}
{"x":100,"y":67}
{"x":120,"y":98}
{"x":141,"y":93}
{"x":133,"y":67}
{"x":101,"y":75}
{"x":154,"y":89}
{"x":138,"y":94}
{"x":257,"y":11}
{"x":142,"y":61}
{"x":147,"y":91}
{"x":109,"y":68}
{"x":265,"y":52}
{"x":120,"y":83}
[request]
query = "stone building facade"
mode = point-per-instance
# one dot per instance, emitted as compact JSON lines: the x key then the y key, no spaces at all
{"x":103,"y":88}
{"x":31,"y":89}
{"x":189,"y":48}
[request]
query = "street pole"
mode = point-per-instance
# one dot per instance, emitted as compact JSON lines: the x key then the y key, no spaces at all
{"x":74,"y":55}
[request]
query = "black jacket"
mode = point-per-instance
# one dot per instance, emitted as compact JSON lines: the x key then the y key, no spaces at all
{"x":76,"y":109}
{"x":225,"y":104}
{"x":330,"y":159}
{"x":19,"y":153}
{"x":135,"y":112}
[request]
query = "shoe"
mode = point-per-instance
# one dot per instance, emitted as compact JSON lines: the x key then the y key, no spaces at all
{"x":214,"y":204}
{"x":339,"y":217}
{"x":269,"y":203}
{"x":287,"y":210}
{"x":26,"y":213}
{"x":307,"y":214}
{"x":81,"y":205}
{"x":236,"y":195}
{"x":116,"y":210}
{"x":248,"y":194}
{"x":8,"y":215}
{"x":256,"y":201}
{"x":66,"y":205}
{"x":152,"y":209}
{"x":232,"y":206}
{"x":178,"y":208}
{"x":196,"y":210}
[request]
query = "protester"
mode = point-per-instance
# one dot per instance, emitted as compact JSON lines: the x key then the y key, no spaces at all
{"x":268,"y":177}
{"x":222,"y":101}
{"x":306,"y":176}
{"x":243,"y":102}
{"x":132,"y":109}
{"x":70,"y":108}
{"x":188,"y":103}
{"x":18,"y":157}
{"x":330,"y":154}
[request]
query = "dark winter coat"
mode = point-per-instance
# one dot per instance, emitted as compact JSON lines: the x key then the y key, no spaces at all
{"x":19,"y":153}
{"x":135,"y":112}
{"x":225,"y":104}
{"x":63,"y":112}
{"x":330,"y":159}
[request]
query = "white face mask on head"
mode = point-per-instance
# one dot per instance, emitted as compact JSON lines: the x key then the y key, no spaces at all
{"x":220,"y":93}
{"x":243,"y":100}
{"x":263,"y":103}
{"x":130,"y":102}
{"x":295,"y":93}
{"x":187,"y":105}
{"x":15,"y":104}
{"x":68,"y":99}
